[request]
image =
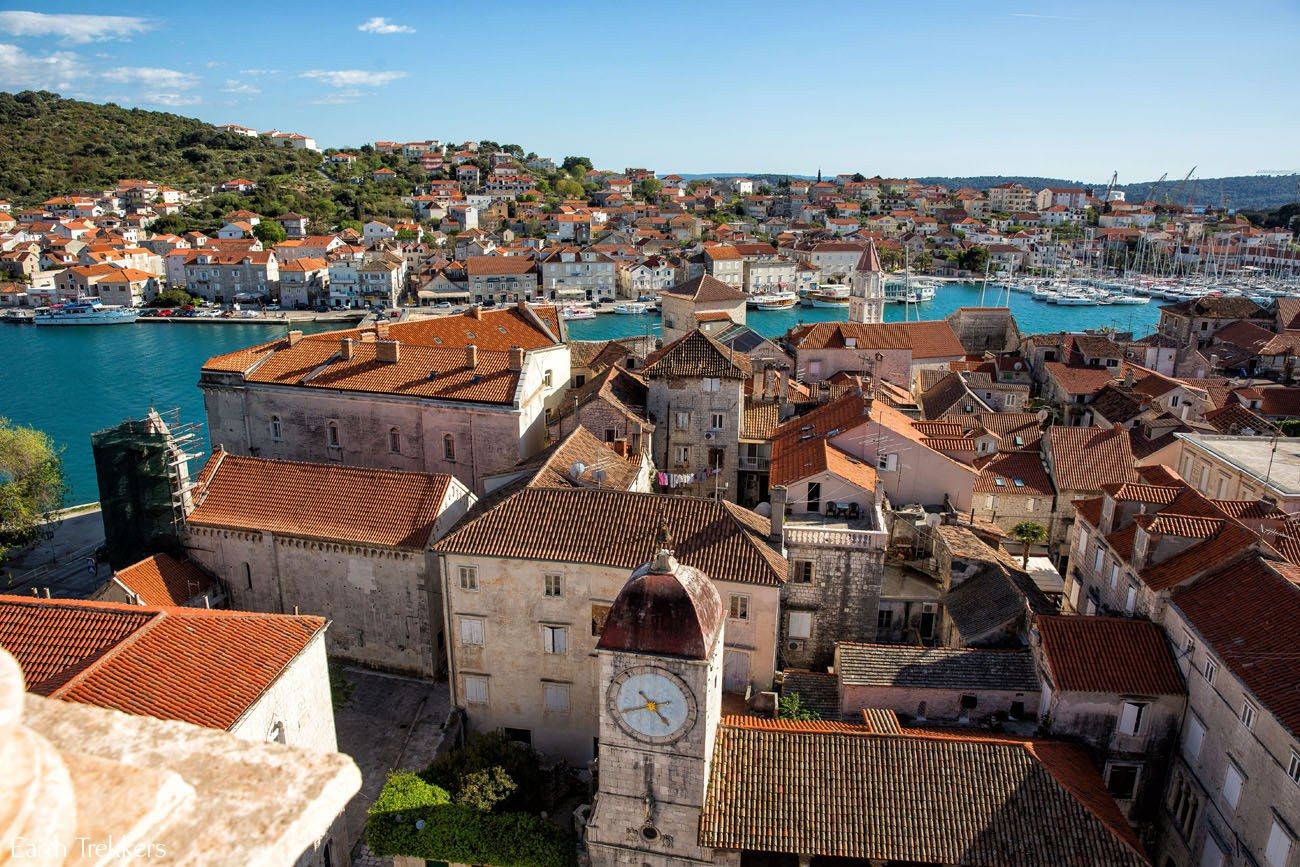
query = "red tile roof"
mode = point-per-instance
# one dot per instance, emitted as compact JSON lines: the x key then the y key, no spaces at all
{"x":617,"y":528}
{"x":706,"y":288}
{"x":1108,"y":654}
{"x":1248,"y":614}
{"x":164,"y":580}
{"x":1085,"y":458}
{"x":930,"y":339}
{"x":696,"y":355}
{"x":831,"y":790}
{"x":328,"y":502}
{"x":793,"y":460}
{"x":205,"y":667}
{"x":1010,"y":468}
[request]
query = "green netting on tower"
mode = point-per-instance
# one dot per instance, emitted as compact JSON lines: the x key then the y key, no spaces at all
{"x":139,"y":480}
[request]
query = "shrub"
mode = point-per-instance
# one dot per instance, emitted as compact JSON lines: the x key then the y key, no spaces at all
{"x":414,"y":818}
{"x":454,"y":771}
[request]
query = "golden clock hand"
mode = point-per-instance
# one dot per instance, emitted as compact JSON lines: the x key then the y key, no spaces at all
{"x":634,"y":707}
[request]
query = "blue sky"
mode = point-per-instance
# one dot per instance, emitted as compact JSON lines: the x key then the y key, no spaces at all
{"x":1064,"y":89}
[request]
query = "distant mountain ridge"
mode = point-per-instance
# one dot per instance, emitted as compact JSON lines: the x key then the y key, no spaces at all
{"x":1240,"y":191}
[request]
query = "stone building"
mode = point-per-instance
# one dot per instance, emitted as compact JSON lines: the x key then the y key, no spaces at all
{"x":985,"y":329}
{"x":529,"y":583}
{"x":253,"y":678}
{"x":705,"y":303}
{"x":1112,"y":684}
{"x":465,"y":395}
{"x":162,"y":580}
{"x":612,"y":406}
{"x":825,"y":508}
{"x":696,"y":399}
{"x":345,"y":543}
{"x":893,"y":351}
{"x":937,"y":684}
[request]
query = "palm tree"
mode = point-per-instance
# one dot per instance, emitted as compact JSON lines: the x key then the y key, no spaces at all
{"x":1029,"y":533}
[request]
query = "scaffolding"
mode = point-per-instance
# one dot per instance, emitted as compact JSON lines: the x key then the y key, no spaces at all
{"x":145,"y":490}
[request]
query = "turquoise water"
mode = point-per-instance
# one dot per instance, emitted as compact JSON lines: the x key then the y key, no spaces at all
{"x":71,"y":382}
{"x":1032,"y":316}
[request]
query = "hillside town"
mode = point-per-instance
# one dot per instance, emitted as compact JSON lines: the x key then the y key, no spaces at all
{"x":932,"y":591}
{"x":488,"y":226}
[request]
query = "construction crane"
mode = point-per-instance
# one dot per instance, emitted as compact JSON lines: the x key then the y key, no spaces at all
{"x":1110,"y":188}
{"x":1151,"y":191}
{"x":1178,"y":190}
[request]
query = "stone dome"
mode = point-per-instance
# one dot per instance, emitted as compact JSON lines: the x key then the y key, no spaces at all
{"x":667,"y":609}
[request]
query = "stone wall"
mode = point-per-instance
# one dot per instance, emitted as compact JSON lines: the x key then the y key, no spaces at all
{"x":376,"y":599}
{"x":844,"y":598}
{"x":666,"y":398}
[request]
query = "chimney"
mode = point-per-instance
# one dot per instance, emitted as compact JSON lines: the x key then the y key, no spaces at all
{"x":475,"y":312}
{"x":471,"y":356}
{"x":347,"y":348}
{"x":521,"y":305}
{"x":1128,"y":377}
{"x":389,"y":351}
{"x":516,"y":358}
{"x":381,"y":329}
{"x":760,"y":376}
{"x":294,"y":337}
{"x":619,"y":446}
{"x":776,"y":495}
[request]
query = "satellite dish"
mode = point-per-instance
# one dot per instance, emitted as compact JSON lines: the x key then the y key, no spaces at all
{"x":763,"y":509}
{"x":1020,"y":366}
{"x":576,"y":470}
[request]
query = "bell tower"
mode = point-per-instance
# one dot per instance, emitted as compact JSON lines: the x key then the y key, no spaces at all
{"x":661,"y":675}
{"x":867,"y":287}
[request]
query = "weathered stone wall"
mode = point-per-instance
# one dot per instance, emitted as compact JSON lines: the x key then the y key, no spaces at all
{"x":844,"y":598}
{"x":376,"y":599}
{"x":667,"y":397}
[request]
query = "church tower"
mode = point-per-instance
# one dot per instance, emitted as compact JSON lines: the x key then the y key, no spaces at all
{"x":867,"y":291}
{"x":661,"y":674}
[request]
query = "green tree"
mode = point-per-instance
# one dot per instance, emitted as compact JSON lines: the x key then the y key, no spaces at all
{"x":169,"y":224}
{"x":32,"y":486}
{"x":577,"y":165}
{"x":458,"y":771}
{"x":172,"y":298}
{"x":1028,"y":533}
{"x":269,"y":232}
{"x":569,"y":189}
{"x":649,"y":189}
{"x":484,"y":789}
{"x":792,"y":707}
{"x":973,"y":258}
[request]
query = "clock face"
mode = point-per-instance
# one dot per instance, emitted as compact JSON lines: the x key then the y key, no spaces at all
{"x":652,"y":704}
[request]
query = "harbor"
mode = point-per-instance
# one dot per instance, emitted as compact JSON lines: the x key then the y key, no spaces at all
{"x":74,"y":381}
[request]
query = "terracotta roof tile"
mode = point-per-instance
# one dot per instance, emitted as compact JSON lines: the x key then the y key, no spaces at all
{"x":832,"y":790}
{"x":164,"y":580}
{"x":706,"y":288}
{"x":1249,"y":615}
{"x":329,"y":502}
{"x":1108,"y":654}
{"x":930,"y":339}
{"x":697,"y":355}
{"x":1021,"y":472}
{"x":1084,"y":459}
{"x":616,"y":528}
{"x":793,"y":460}
{"x":1228,"y":544}
{"x":204,"y":667}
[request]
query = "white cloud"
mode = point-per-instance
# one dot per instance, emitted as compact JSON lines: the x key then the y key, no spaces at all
{"x":259,"y":72}
{"x":339,"y":97}
{"x":157,"y":86}
{"x":384,"y":27}
{"x":77,"y":29}
{"x":353,"y":77}
{"x":152,"y":77}
{"x":22,"y":71}
{"x":233,"y":86}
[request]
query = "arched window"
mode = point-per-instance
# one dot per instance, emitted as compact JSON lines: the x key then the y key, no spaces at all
{"x":277,"y":430}
{"x":394,"y":440}
{"x":449,"y":447}
{"x":332,"y":434}
{"x":276,"y":734}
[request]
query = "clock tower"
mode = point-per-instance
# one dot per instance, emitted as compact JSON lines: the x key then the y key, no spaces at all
{"x":661,"y":679}
{"x":867,"y":287}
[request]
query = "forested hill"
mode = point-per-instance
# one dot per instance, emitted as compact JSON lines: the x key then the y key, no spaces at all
{"x":50,"y":145}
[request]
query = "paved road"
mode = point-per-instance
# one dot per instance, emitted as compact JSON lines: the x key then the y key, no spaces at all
{"x":59,"y":563}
